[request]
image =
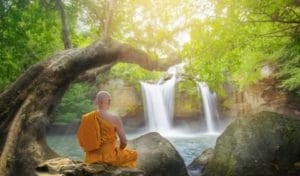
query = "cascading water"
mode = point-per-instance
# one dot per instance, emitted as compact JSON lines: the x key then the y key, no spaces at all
{"x":159,"y":105}
{"x":158,"y":102}
{"x":210,"y":107}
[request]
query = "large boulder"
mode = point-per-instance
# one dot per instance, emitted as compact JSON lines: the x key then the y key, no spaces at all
{"x":199,"y":163}
{"x":66,"y":167}
{"x":158,"y":157}
{"x":264,"y":144}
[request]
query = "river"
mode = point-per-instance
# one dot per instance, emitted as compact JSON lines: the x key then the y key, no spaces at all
{"x":188,"y":147}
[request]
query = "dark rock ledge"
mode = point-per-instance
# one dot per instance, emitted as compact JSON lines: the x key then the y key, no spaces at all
{"x":156,"y":157}
{"x":66,"y":167}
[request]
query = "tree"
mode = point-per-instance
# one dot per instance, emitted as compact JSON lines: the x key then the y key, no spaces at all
{"x":141,"y":24}
{"x":28,"y":32}
{"x":76,"y":101}
{"x":26,"y":107}
{"x":65,"y":28}
{"x":240,"y":38}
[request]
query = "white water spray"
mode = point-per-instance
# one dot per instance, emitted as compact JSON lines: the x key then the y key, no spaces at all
{"x":210,"y":107}
{"x":159,"y":105}
{"x":158,"y":100}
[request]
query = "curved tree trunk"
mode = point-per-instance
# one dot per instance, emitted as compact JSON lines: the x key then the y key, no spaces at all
{"x":26,"y":107}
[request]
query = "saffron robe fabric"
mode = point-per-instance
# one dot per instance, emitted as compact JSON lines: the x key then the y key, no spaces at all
{"x":97,"y":137}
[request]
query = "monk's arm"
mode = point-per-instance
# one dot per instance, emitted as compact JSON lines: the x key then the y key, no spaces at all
{"x":121,"y":133}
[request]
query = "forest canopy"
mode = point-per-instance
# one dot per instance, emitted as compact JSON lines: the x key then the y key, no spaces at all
{"x":219,"y":40}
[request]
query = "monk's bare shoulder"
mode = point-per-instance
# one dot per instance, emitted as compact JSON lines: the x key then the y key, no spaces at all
{"x":116,"y":120}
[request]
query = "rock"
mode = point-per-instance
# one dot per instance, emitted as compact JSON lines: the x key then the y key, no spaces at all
{"x":157,"y":156}
{"x":297,"y":164}
{"x":203,"y":158}
{"x":126,"y":101}
{"x":133,"y":123}
{"x":66,"y":167}
{"x":264,"y":144}
{"x":197,"y":165}
{"x":187,"y":103}
{"x":265,"y":95}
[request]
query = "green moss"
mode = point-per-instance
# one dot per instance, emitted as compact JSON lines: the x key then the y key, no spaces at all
{"x":231,"y":164}
{"x":187,"y":87}
{"x":226,"y":104}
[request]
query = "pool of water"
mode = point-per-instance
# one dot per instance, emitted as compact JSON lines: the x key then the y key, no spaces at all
{"x":188,"y":147}
{"x":66,"y":145}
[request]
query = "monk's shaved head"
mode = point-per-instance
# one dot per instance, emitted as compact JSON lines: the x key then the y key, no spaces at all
{"x":101,"y":96}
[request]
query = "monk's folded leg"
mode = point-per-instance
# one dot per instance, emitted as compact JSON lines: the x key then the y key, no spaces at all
{"x":126,"y":158}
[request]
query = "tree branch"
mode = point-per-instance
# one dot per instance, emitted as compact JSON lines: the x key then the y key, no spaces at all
{"x":272,"y":21}
{"x":91,"y":75}
{"x":295,"y":13}
{"x":26,"y":107}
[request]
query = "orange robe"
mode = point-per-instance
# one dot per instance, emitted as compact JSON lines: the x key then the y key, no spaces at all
{"x":97,"y":137}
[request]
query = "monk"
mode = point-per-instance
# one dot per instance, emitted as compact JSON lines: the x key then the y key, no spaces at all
{"x":97,"y":136}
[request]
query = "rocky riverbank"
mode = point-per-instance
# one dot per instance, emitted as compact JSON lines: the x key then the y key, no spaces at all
{"x":64,"y":166}
{"x":156,"y":157}
{"x":263,"y":144}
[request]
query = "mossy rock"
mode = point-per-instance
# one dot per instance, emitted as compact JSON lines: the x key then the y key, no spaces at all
{"x":157,"y":156}
{"x":264,"y":144}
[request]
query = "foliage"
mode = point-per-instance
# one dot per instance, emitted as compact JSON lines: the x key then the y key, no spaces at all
{"x":240,"y":38}
{"x":227,"y":41}
{"x":188,"y":87}
{"x":187,"y":97}
{"x":132,"y":74}
{"x":80,"y":36}
{"x":75,"y":103}
{"x":29,"y":31}
{"x":290,"y":66}
{"x":144,"y":24}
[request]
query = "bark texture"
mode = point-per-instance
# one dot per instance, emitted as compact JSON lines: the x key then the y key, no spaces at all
{"x":26,"y":106}
{"x":65,"y":28}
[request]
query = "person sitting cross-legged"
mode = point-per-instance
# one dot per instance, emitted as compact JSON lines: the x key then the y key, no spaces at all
{"x":97,"y":135}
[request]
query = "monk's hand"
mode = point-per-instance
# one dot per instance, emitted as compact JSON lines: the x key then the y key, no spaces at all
{"x":122,"y":145}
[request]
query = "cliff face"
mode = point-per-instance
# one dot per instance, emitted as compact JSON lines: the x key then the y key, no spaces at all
{"x":265,"y":95}
{"x":127,"y":102}
{"x":187,"y":105}
{"x":262,"y":96}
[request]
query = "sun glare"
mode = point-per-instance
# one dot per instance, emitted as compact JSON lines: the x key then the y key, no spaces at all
{"x":182,"y":38}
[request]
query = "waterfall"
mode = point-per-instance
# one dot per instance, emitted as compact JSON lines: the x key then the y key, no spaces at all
{"x":159,"y":105}
{"x":210,"y":107}
{"x":158,"y":101}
